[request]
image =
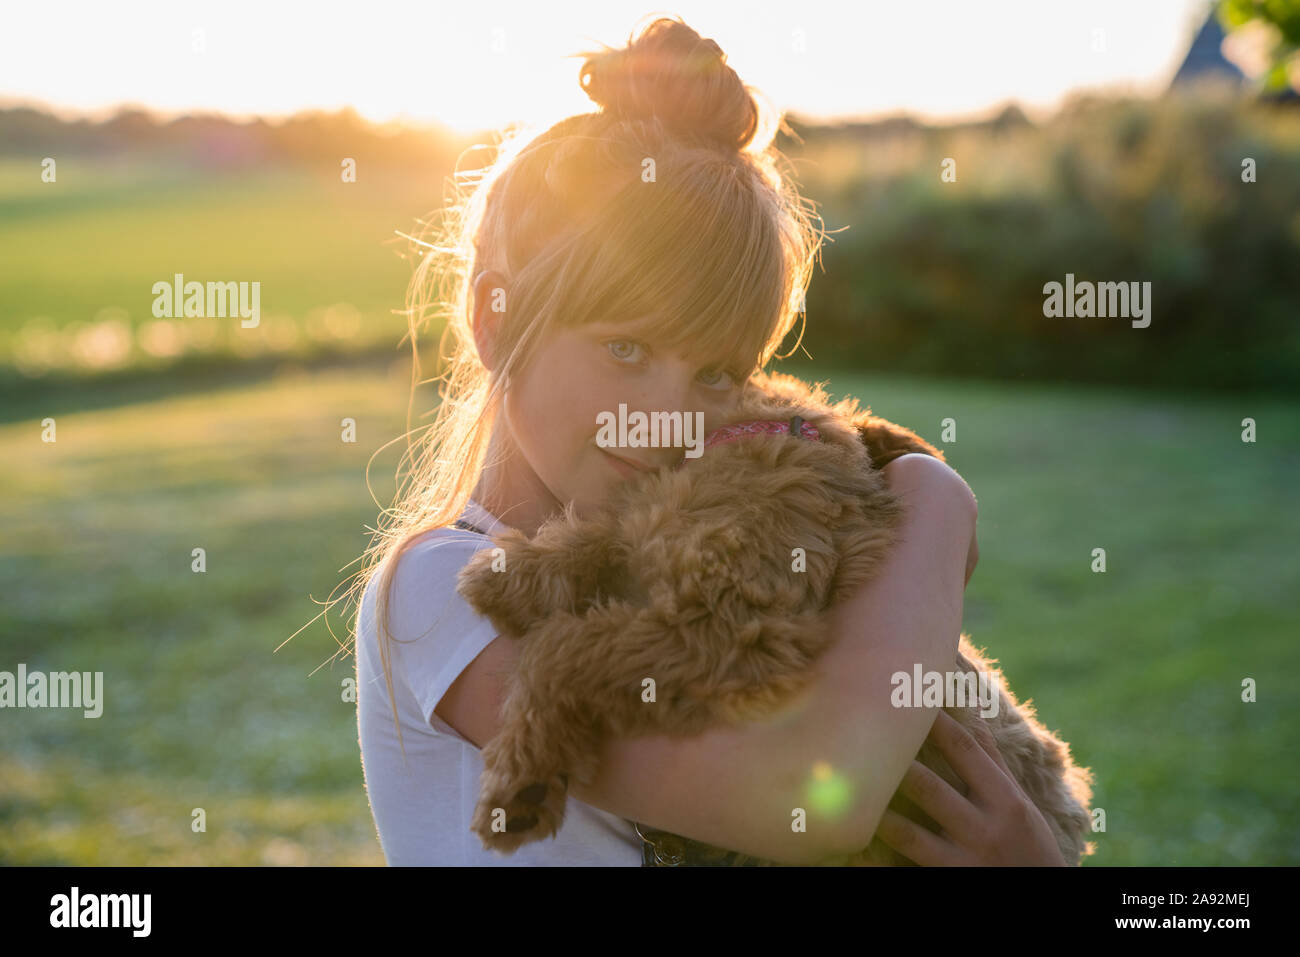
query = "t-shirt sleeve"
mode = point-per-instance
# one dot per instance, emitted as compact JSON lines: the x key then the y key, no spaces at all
{"x":436,"y":632}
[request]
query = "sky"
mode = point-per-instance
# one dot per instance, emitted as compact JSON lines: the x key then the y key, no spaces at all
{"x":476,"y":64}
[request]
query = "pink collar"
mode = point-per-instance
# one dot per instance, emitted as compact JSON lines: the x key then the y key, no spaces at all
{"x":730,"y":433}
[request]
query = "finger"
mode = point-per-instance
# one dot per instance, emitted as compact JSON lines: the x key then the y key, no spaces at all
{"x":985,"y":737}
{"x":939,"y":799}
{"x":976,"y":766}
{"x":916,"y":843}
{"x":981,"y":729}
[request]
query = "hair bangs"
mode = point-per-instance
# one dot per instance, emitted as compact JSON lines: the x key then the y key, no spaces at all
{"x":701,"y":271}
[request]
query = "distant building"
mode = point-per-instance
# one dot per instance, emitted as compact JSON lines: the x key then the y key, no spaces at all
{"x":1205,"y":62}
{"x":1205,"y":59}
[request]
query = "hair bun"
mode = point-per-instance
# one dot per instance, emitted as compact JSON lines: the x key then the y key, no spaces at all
{"x":670,"y":72}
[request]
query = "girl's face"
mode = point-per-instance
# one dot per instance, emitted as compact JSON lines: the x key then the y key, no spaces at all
{"x":551,"y":418}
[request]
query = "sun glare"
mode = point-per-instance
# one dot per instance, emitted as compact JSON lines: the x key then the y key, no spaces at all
{"x":471,"y":67}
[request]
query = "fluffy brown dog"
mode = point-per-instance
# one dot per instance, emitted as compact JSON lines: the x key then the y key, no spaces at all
{"x":714,"y":580}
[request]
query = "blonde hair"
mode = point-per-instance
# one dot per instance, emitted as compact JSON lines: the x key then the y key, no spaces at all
{"x":669,"y":206}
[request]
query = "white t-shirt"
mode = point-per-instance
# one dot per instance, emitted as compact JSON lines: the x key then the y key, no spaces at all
{"x":422,"y":808}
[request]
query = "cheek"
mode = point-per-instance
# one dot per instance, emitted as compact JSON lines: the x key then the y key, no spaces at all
{"x":531,"y":411}
{"x":552,"y":419}
{"x":720,"y":413}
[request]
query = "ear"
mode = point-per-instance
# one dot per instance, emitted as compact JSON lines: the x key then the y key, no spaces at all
{"x":489,"y":288}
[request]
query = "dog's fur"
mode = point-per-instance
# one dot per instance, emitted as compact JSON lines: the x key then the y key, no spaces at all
{"x":686,"y":578}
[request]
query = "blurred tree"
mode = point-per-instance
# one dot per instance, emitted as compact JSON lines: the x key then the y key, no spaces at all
{"x":1278,"y":22}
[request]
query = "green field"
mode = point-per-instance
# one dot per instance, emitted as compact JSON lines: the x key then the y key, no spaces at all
{"x":1140,"y":668}
{"x":83,"y":253}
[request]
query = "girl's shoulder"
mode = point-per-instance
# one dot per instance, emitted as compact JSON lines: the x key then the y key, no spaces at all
{"x":449,"y":538}
{"x":429,"y":632}
{"x":422,"y":582}
{"x":435,"y":551}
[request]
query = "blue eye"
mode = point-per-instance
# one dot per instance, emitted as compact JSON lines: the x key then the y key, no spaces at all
{"x":717,"y":379}
{"x":624,"y":350}
{"x":632,"y":352}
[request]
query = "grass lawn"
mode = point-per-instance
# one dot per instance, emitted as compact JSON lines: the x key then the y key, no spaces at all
{"x":105,"y":232}
{"x":82,"y":255}
{"x":1140,"y":668}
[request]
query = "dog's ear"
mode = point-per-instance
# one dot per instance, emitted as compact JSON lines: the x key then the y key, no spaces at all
{"x":886,"y":441}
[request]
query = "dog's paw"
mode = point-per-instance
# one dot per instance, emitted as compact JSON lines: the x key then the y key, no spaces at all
{"x":507,"y":817}
{"x":496,"y":590}
{"x":478,"y":582}
{"x":516,"y":585}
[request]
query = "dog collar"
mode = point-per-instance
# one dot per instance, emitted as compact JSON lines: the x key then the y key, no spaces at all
{"x":795,"y":426}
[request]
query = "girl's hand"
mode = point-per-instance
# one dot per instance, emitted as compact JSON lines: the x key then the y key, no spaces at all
{"x":997,"y":825}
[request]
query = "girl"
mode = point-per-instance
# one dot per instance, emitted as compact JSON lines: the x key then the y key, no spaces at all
{"x":651,"y":254}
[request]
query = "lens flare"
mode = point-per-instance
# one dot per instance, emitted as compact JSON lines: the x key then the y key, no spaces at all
{"x":828,"y":792}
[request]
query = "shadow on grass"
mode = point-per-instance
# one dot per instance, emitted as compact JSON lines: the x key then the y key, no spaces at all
{"x":23,"y":399}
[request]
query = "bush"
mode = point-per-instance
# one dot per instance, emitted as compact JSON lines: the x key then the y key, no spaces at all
{"x":939,"y":277}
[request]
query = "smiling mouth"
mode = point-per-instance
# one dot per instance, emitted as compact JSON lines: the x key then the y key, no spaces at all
{"x":624,"y":466}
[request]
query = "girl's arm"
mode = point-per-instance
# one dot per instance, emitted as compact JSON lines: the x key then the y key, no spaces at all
{"x":737,"y":787}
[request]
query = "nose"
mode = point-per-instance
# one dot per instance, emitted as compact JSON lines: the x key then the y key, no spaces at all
{"x":670,"y":388}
